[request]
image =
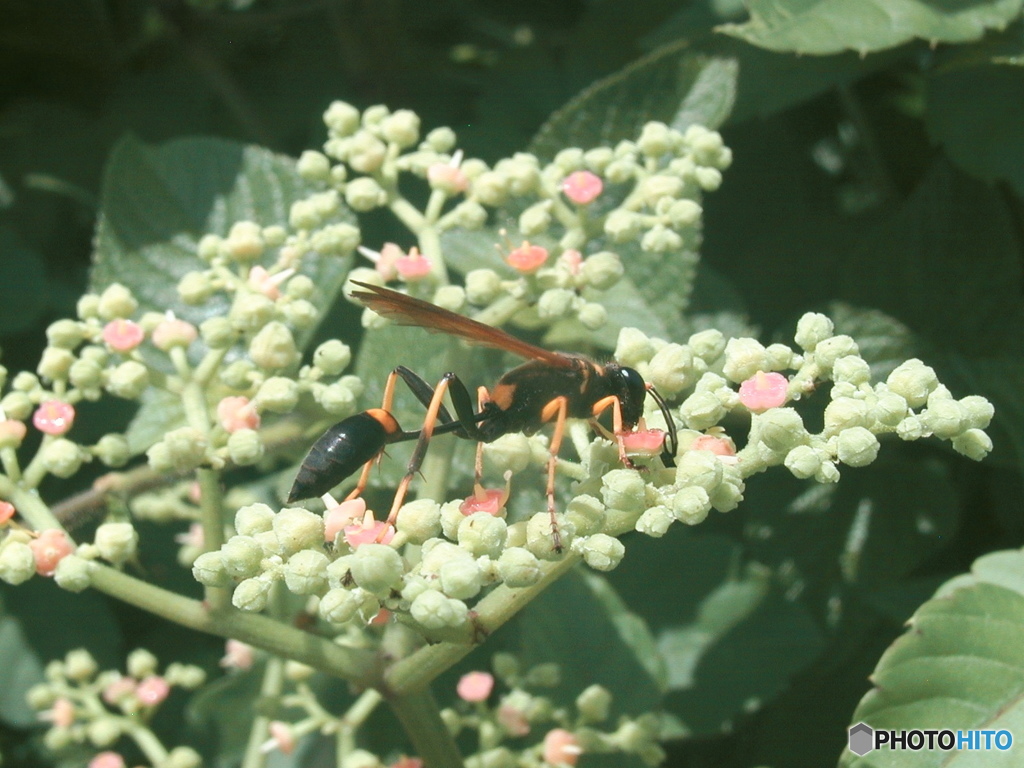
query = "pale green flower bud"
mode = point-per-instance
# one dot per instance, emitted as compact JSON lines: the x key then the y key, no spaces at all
{"x":857,"y":447}
{"x":468,"y":215}
{"x":781,"y":429}
{"x":592,"y":315}
{"x":242,"y":556}
{"x":366,"y":153}
{"x":88,"y":306}
{"x":779,"y":357}
{"x":338,"y":606}
{"x":241,"y":374}
{"x":555,"y":304}
{"x":944,"y":418}
{"x":621,"y":170}
{"x":482,"y":534}
{"x":402,"y":127}
{"x":300,"y":313}
{"x":509,"y":452}
{"x":252,"y":594}
{"x":338,"y":239}
{"x":661,"y":239}
{"x":654,"y":188}
{"x":181,"y":450}
{"x":195,"y":287}
{"x":17,"y":563}
{"x":482,"y":286}
{"x":672,"y":369}
{"x":303,"y":215}
{"x":518,"y":567}
{"x":540,"y":538}
{"x":253,"y":519}
{"x":299,"y":287}
{"x":973,"y":443}
{"x":602,"y":270}
{"x":85,"y":374}
{"x":602,"y":552}
{"x":305,"y":573}
{"x":911,"y":428}
{"x":116,"y":301}
{"x":62,"y":457}
{"x":218,"y":333}
{"x":623,"y":489}
{"x":116,"y":542}
{"x":977,"y":412}
{"x":128,"y":380}
{"x":251,"y":311}
{"x":73,"y":573}
{"x":490,"y":188}
{"x":419,"y":520}
{"x":655,"y":139}
{"x":460,"y":579}
{"x":535,"y":219}
{"x":691,"y":504}
{"x":701,"y":468}
{"x":208,"y":569}
{"x":440,"y":139}
{"x":845,"y":412}
{"x":182,"y":757}
{"x":187,"y":676}
{"x":55,"y":363}
{"x":245,"y":447}
{"x":40,"y":696}
{"x":522,"y":172}
{"x":341,"y":118}
{"x":25,"y":382}
{"x":278,"y":395}
{"x":377,"y":568}
{"x":586,"y":514}
{"x":273,"y":347}
{"x":209,"y":247}
{"x":812,"y":329}
{"x":707,"y":345}
{"x":332,"y":357}
{"x":141,"y":663}
{"x":655,"y":521}
{"x":914,"y":381}
{"x":450,"y":297}
{"x":743,"y":359}
{"x":313,"y":166}
{"x":727,"y":496}
{"x":56,"y":739}
{"x":364,"y":194}
{"x":594,"y":703}
{"x":828,"y":351}
{"x":709,"y":179}
{"x":79,"y":665}
{"x":66,"y":334}
{"x":103,"y":731}
{"x":852,"y":369}
{"x":297,"y":529}
{"x":597,"y":159}
{"x":623,"y":226}
{"x":890,"y":409}
{"x":633,"y":347}
{"x":435,"y":611}
{"x":803,"y":461}
{"x":337,"y":400}
{"x":684,"y":213}
{"x":701,"y":411}
{"x":451,"y":519}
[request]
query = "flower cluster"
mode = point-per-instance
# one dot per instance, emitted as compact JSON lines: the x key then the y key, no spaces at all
{"x":98,"y":710}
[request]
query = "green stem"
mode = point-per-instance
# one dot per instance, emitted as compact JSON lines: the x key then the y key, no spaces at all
{"x":145,"y":740}
{"x":420,"y":716}
{"x":9,"y":457}
{"x":211,"y":515}
{"x":354,"y":664}
{"x":270,"y":688}
{"x":35,"y":471}
{"x":352,"y":720}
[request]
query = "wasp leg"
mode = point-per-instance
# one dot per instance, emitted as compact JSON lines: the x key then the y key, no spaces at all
{"x":556,"y":410}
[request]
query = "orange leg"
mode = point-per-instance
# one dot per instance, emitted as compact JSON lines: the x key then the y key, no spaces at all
{"x":613,"y":402}
{"x":556,"y":410}
{"x":364,"y":476}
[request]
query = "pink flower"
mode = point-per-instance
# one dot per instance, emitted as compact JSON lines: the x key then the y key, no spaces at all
{"x":49,"y":548}
{"x":384,"y":261}
{"x":123,"y":335}
{"x":173,"y":332}
{"x":763,"y":391}
{"x":238,"y":655}
{"x":339,"y":517}
{"x":54,"y":417}
{"x":266,"y":283}
{"x":646,"y":442}
{"x":475,"y":686}
{"x":119,"y":690}
{"x":12,"y":432}
{"x":281,"y":738}
{"x":448,"y":178}
{"x":368,"y":531}
{"x":414,"y":266}
{"x":582,"y":187}
{"x":62,"y":714}
{"x":527,"y":258}
{"x":572,"y":259}
{"x":489,"y":500}
{"x":6,"y":512}
{"x":235,"y":413}
{"x":720,"y":446}
{"x":382,"y":617}
{"x":152,"y":691}
{"x":193,"y":537}
{"x":107,"y":760}
{"x":561,"y":747}
{"x":407,"y":762}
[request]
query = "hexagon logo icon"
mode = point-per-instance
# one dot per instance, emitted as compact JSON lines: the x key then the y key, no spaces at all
{"x":862,"y":739}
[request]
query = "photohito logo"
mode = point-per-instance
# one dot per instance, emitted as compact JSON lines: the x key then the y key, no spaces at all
{"x":864,"y":739}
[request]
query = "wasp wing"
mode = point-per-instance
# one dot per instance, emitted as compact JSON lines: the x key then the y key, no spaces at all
{"x":405,"y":310}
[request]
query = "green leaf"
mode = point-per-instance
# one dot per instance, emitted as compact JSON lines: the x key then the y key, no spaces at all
{"x":675,"y":85}
{"x":831,"y":26}
{"x":227,"y":707}
{"x":22,"y":301}
{"x":159,"y":412}
{"x":20,"y":671}
{"x":884,"y":341}
{"x":960,"y":665}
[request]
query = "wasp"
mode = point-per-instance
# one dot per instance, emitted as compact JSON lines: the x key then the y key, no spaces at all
{"x":550,"y":387}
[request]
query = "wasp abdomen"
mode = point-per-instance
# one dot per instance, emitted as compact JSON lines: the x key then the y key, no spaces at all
{"x":340,"y":451}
